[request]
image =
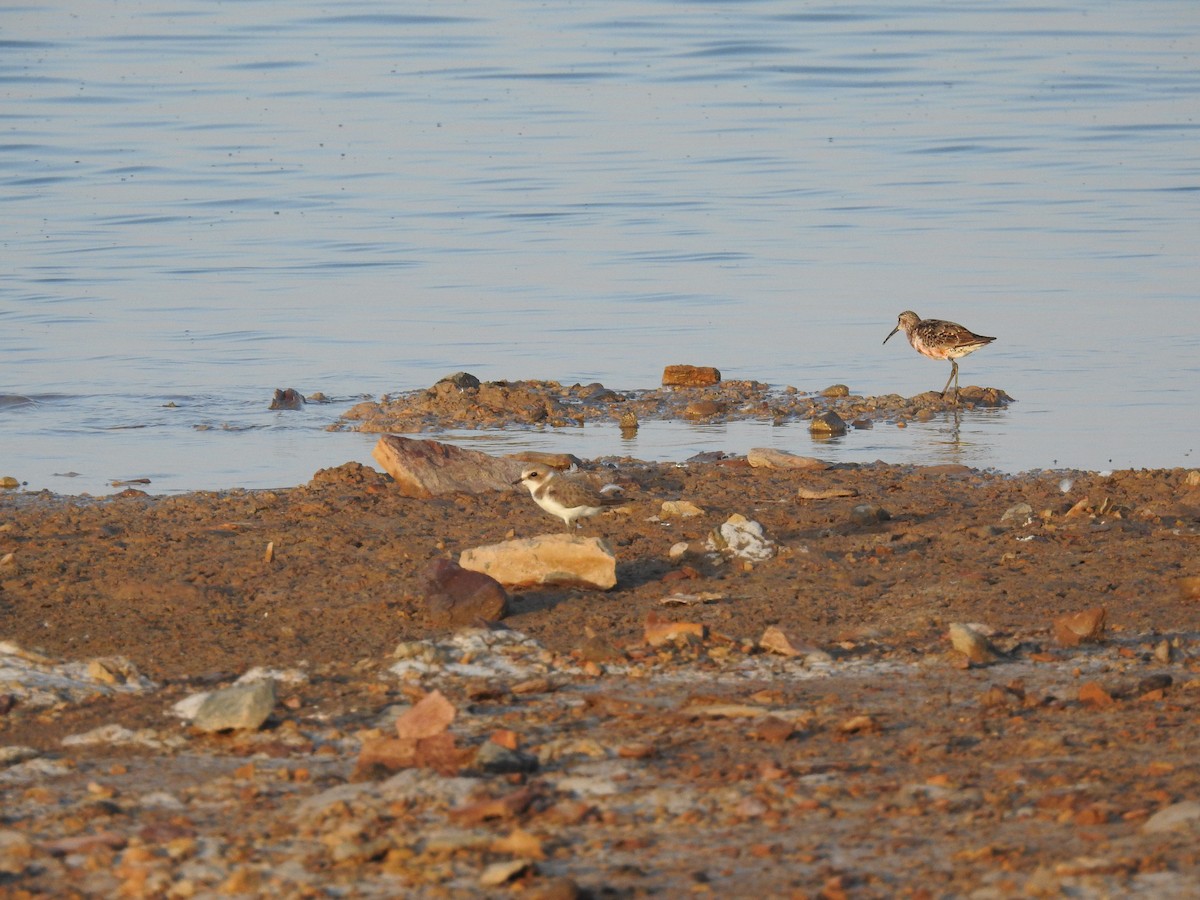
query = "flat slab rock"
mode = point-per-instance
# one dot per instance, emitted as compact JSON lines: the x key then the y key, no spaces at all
{"x":424,"y":468}
{"x":564,"y":560}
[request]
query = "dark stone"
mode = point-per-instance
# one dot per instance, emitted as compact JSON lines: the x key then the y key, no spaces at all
{"x":456,"y":597}
{"x":289,"y":399}
{"x":461,"y":380}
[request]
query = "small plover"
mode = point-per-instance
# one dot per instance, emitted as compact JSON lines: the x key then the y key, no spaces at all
{"x":562,"y":497}
{"x":939,"y":339}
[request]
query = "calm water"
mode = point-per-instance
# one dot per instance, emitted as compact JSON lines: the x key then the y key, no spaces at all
{"x":203,"y":201}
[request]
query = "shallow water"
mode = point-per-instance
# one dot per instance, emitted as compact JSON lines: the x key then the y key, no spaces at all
{"x":206,"y":201}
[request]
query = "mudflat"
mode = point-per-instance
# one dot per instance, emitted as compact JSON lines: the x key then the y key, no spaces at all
{"x":931,"y":682}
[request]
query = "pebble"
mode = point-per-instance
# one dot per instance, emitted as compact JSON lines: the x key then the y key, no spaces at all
{"x":1020,"y":514}
{"x":681,"y":509}
{"x":1077,"y":628}
{"x":242,"y":706}
{"x":1182,"y":816}
{"x":742,"y":538}
{"x":455,"y":596}
{"x":828,"y":423}
{"x":869,"y":514}
{"x":972,"y":644}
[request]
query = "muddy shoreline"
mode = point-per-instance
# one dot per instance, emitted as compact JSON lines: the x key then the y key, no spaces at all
{"x":875,"y":760}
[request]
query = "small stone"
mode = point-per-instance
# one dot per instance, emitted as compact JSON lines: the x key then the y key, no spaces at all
{"x":869,"y":514}
{"x":1189,"y":587}
{"x":743,"y":538}
{"x":803,"y":493}
{"x":972,"y":644}
{"x":1077,"y":628}
{"x":703,"y":409}
{"x":657,"y":632}
{"x":1182,"y":816}
{"x":678,"y":551}
{"x":1192,"y":479}
{"x":774,"y":640}
{"x":769,"y":458}
{"x":681,"y":509}
{"x":827,"y":424}
{"x":287,"y":399}
{"x":836,"y":390}
{"x":8,"y":482}
{"x":16,"y":851}
{"x":772,"y":729}
{"x":503,"y":872}
{"x":464,"y":381}
{"x":1093,"y":694}
{"x":1020,"y":514}
{"x":561,"y":461}
{"x":242,"y":706}
{"x":456,"y":597}
{"x":493,"y":759}
{"x":548,"y":559}
{"x":430,"y":716}
{"x":690,"y":376}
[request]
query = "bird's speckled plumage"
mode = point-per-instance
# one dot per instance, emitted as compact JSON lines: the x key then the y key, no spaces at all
{"x":939,"y":339}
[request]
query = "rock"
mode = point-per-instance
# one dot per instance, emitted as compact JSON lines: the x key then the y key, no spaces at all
{"x":1182,"y":816}
{"x":869,"y":514}
{"x":1077,"y":628}
{"x":658,"y":632}
{"x":385,"y":756}
{"x":423,"y":468}
{"x":678,"y":551}
{"x":768,"y":458}
{"x":804,"y":493}
{"x":972,"y":644}
{"x":565,"y":560}
{"x":742,"y":537}
{"x":287,"y":399}
{"x":774,"y":640}
{"x":681,"y":509}
{"x":242,"y":706}
{"x":836,"y":390}
{"x":503,"y":872}
{"x":455,"y":596}
{"x":464,"y":381}
{"x":430,"y":716}
{"x":16,"y":852}
{"x":827,"y":424}
{"x":1094,"y":694}
{"x":1189,"y":587}
{"x":493,"y":759}
{"x":1192,"y":479}
{"x":690,"y":376}
{"x":560,"y":461}
{"x":1020,"y":514}
{"x":7,"y":482}
{"x":703,"y":409}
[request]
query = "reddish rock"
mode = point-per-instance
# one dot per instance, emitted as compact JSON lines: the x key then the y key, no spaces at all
{"x":1094,"y":694}
{"x":423,"y":468}
{"x":658,"y":632}
{"x":690,"y":376}
{"x":456,"y":597}
{"x":430,"y":716}
{"x":1077,"y":628}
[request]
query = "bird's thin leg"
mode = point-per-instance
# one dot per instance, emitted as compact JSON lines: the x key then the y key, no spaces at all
{"x":953,"y":376}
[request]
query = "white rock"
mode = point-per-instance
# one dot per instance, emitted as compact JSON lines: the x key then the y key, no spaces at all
{"x":242,"y":706}
{"x":743,"y":538}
